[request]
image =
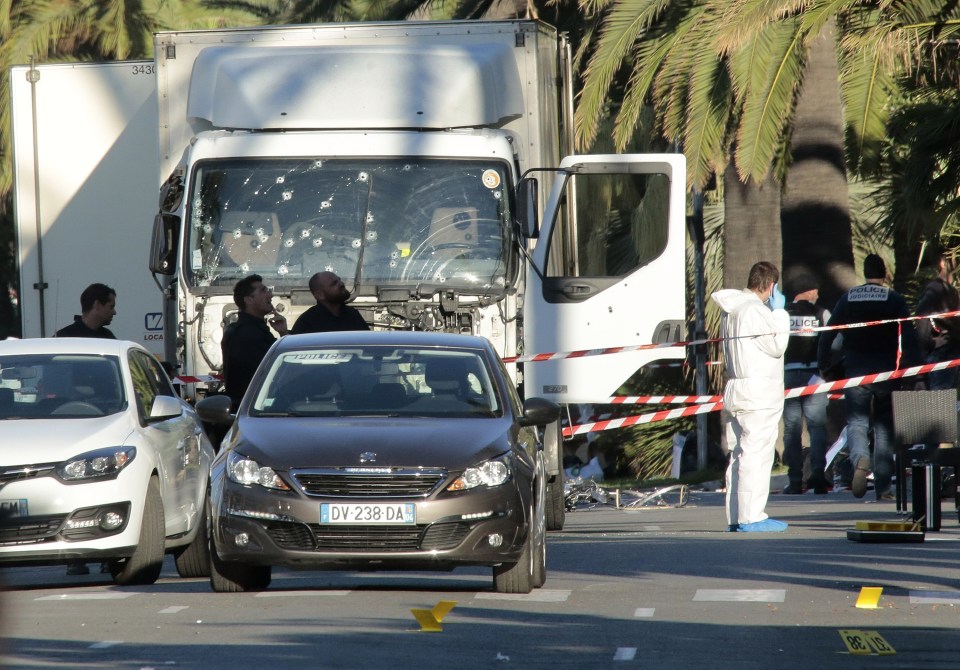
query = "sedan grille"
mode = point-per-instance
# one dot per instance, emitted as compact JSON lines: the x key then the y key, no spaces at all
{"x":369,"y":483}
{"x":373,"y":539}
{"x":20,"y":472}
{"x":31,"y":530}
{"x":367,"y":538}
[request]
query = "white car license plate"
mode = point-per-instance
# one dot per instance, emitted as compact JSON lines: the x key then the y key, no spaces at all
{"x":369,"y":513}
{"x":13,"y":508}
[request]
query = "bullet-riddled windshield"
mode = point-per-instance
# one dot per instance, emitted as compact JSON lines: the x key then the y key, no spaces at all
{"x":420,"y":225}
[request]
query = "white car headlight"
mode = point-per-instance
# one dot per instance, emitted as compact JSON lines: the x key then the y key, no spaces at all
{"x":99,"y":464}
{"x":247,"y":471}
{"x":490,"y":474}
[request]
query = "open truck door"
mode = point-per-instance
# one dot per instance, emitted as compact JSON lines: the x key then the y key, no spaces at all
{"x":608,"y":271}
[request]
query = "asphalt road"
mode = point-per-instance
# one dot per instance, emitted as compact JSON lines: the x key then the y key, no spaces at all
{"x":646,"y":587}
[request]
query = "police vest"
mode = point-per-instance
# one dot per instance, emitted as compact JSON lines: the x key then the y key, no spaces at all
{"x":802,"y":347}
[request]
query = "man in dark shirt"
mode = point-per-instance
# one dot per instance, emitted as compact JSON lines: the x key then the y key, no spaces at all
{"x":869,"y":350}
{"x":246,"y":341}
{"x":98,"y":304}
{"x":800,"y":369}
{"x":331,"y":313}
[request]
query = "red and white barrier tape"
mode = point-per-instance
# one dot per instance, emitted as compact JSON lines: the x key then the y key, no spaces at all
{"x":191,"y":379}
{"x":800,"y":391}
{"x":686,"y":343}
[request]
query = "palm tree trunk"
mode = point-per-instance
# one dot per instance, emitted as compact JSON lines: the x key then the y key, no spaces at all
{"x":751,"y":229}
{"x":815,"y":214}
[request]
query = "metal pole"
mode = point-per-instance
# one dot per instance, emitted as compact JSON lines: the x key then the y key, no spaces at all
{"x":695,"y":227}
{"x":33,"y":76}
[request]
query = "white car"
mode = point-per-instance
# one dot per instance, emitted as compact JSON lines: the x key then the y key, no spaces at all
{"x":100,"y":460}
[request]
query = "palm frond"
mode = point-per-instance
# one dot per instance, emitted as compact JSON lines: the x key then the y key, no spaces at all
{"x":768,"y":84}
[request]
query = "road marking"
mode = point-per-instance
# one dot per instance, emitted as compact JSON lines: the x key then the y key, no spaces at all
{"x":935,"y":597}
{"x":536,"y":596}
{"x":643,"y":612}
{"x":625,"y":654}
{"x":297,"y":594}
{"x":869,"y":597}
{"x":105,"y":644}
{"x":88,"y":596}
{"x":741,"y":595}
{"x":173,"y":609}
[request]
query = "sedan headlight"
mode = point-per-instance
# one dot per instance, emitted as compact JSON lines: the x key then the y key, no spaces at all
{"x":490,"y":474}
{"x":247,"y":471}
{"x":99,"y":464}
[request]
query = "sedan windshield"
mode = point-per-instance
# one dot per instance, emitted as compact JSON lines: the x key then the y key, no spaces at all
{"x":59,"y":386}
{"x":378,"y":380}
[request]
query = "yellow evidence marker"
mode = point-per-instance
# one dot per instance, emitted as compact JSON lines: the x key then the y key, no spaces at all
{"x":429,"y":620}
{"x":869,"y":597}
{"x":865,"y":642}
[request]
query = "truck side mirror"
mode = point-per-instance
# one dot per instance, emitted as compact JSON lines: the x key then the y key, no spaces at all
{"x":163,"y":246}
{"x":527,"y":202}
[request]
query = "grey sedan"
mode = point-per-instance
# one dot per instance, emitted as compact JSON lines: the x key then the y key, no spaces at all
{"x":379,"y":450}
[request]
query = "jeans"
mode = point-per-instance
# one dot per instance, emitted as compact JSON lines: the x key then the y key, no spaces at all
{"x":872,"y":405}
{"x":813,"y":408}
{"x":942,"y":379}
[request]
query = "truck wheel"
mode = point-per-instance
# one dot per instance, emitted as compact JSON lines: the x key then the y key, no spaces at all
{"x":194,"y":559}
{"x":555,"y":509}
{"x":147,"y":561}
{"x":236,"y":577}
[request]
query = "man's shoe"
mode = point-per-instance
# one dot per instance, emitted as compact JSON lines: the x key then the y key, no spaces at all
{"x":732,"y":528}
{"x":765,"y":526}
{"x":859,"y":484}
{"x":77,"y":568}
{"x":886,"y":496}
{"x":819,"y":486}
{"x":793,"y":488}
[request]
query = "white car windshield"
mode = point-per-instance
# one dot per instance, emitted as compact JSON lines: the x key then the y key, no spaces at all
{"x":378,"y":380}
{"x":59,"y":386}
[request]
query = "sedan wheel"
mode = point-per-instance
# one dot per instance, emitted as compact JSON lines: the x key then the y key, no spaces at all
{"x":194,"y":559}
{"x":228,"y":577}
{"x":147,"y":561}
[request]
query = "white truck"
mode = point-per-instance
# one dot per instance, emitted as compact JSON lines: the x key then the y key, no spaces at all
{"x":396,"y":155}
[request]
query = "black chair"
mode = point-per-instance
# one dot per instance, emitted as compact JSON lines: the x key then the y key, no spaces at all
{"x":921,"y":419}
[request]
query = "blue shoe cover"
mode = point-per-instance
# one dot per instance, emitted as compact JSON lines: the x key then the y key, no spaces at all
{"x":765,"y":526}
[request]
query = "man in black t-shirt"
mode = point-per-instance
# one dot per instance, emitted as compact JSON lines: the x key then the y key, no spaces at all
{"x":247,"y":341}
{"x":98,"y":304}
{"x":331,"y":313}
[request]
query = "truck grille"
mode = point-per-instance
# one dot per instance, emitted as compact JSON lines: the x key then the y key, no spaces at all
{"x":357,"y":483}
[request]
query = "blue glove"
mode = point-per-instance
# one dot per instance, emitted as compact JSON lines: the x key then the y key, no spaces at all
{"x":776,"y":299}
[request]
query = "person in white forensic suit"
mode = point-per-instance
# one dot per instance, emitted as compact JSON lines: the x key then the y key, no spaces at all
{"x":755,"y":329}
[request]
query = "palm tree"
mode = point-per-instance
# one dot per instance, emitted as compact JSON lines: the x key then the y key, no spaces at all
{"x":725,"y":79}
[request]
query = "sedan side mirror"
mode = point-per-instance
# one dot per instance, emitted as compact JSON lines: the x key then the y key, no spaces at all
{"x":539,"y":412}
{"x":165,"y":407}
{"x":215,"y":409}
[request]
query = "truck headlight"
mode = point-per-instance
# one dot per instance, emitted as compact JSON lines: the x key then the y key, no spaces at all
{"x":248,"y":472}
{"x":490,"y":474}
{"x":103,"y":463}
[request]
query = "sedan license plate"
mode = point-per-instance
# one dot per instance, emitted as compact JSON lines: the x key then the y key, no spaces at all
{"x":13,"y":508}
{"x":369,"y":513}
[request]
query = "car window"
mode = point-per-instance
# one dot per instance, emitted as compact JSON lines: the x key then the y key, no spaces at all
{"x":149,"y":381}
{"x":379,"y":380}
{"x":60,"y":386}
